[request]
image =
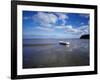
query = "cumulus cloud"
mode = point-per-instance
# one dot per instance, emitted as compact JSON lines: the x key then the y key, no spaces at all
{"x":49,"y":19}
{"x":47,"y":22}
{"x":45,"y":19}
{"x":62,"y":16}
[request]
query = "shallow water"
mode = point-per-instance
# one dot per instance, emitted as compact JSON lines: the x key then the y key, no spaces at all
{"x":40,"y":53}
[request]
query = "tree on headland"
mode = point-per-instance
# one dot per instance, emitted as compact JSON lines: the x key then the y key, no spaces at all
{"x":86,"y":36}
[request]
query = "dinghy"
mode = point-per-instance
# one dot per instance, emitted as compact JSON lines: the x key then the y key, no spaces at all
{"x":64,"y":43}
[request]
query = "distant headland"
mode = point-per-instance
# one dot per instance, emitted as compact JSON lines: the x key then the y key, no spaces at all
{"x":86,"y":36}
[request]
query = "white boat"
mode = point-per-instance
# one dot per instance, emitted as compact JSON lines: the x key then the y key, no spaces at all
{"x":64,"y":43}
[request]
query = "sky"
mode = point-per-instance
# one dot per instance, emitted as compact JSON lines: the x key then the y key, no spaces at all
{"x":38,"y":24}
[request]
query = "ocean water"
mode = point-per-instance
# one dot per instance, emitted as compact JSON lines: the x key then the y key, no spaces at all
{"x":42,"y":53}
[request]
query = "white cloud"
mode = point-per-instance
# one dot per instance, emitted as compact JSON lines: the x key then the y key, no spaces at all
{"x":47,"y":22}
{"x":26,"y":18}
{"x":84,"y":15}
{"x":45,"y":19}
{"x":82,"y":23}
{"x":63,"y":22}
{"x":81,"y":30}
{"x":60,"y":27}
{"x":62,"y":16}
{"x":50,"y":19}
{"x":70,"y":29}
{"x":67,"y":28}
{"x":84,"y":29}
{"x":45,"y":29}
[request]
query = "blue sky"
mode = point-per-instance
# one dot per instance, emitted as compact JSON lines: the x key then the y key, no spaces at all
{"x":54,"y":24}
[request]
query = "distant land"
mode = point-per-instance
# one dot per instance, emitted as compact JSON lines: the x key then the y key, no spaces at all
{"x":86,"y":36}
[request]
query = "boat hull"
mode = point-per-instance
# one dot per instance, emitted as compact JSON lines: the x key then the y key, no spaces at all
{"x":64,"y":43}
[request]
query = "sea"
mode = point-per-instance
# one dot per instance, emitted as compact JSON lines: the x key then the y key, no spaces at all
{"x":43,"y":53}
